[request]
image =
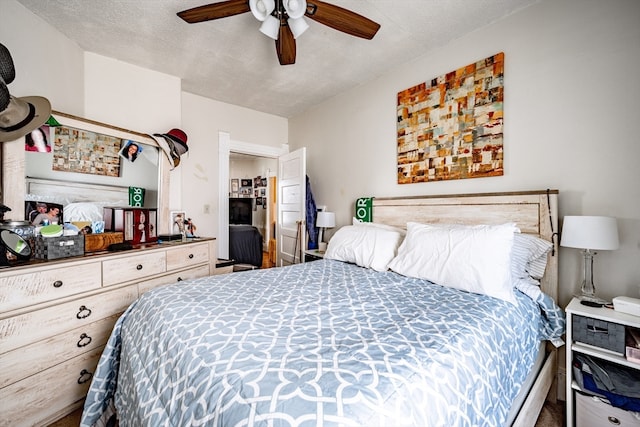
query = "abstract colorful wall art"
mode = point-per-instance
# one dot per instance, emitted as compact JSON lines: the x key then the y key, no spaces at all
{"x":81,"y":151}
{"x":451,"y":126}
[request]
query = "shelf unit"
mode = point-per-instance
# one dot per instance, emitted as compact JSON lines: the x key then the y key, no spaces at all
{"x":600,"y":313}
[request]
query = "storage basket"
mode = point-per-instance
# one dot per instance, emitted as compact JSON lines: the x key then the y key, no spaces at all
{"x":599,"y":333}
{"x":58,"y":247}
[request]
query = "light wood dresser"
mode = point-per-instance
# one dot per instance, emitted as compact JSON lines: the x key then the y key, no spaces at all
{"x":56,"y":316}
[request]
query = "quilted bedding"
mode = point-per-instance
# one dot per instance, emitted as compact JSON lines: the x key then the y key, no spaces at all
{"x":324,"y":343}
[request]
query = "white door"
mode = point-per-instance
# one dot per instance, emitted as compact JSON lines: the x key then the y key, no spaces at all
{"x":292,"y":193}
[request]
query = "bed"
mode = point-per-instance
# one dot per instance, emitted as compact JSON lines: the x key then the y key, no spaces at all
{"x":245,"y":245}
{"x":332,"y":342}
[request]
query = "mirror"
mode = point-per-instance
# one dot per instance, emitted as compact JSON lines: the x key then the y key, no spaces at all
{"x":21,"y":166}
{"x":15,"y":244}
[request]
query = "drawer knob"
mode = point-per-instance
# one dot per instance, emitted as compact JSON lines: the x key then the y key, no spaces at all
{"x":84,"y":376}
{"x":84,"y":340}
{"x":83,"y":312}
{"x":139,"y":267}
{"x":57,"y":283}
{"x":614,"y":421}
{"x":190,"y":256}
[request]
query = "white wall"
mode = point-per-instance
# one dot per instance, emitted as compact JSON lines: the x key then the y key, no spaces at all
{"x":571,"y":116}
{"x":46,"y":62}
{"x":202,"y":119}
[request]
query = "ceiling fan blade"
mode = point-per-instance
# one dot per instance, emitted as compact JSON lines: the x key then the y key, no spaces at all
{"x":286,"y":45}
{"x":341,"y":19}
{"x":218,"y":10}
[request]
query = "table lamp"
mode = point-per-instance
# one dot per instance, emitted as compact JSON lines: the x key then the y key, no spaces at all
{"x":589,"y":233}
{"x":324,"y":220}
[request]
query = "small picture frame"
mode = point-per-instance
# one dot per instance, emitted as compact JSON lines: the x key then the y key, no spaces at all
{"x":178,"y":222}
{"x":131,"y":150}
{"x":246,"y":183}
{"x":235,"y":185}
{"x":41,"y":213}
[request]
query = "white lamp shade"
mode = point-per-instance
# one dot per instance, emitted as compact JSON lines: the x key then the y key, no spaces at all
{"x":270,"y":27}
{"x":298,"y":26}
{"x":295,"y":8}
{"x":326,"y":219}
{"x":261,"y":8}
{"x":590,"y":232}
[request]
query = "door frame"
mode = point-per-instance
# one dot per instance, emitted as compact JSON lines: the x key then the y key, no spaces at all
{"x":226,"y":146}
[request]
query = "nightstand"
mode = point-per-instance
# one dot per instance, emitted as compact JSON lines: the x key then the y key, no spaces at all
{"x":597,"y":332}
{"x":312,"y":255}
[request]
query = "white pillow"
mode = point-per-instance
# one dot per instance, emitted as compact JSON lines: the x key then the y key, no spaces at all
{"x":78,"y":212}
{"x":475,"y":258}
{"x":370,"y":247}
{"x":356,"y":221}
{"x":529,"y":256}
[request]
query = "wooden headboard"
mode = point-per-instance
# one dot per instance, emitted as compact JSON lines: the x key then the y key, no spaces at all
{"x":63,"y":192}
{"x":534,"y":212}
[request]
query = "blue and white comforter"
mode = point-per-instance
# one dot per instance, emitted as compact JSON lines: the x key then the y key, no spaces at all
{"x":317,"y":344}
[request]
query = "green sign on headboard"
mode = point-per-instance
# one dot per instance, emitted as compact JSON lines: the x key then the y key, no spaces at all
{"x":364,"y":209}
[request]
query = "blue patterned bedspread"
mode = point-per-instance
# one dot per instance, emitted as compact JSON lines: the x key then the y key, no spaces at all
{"x":323,"y":343}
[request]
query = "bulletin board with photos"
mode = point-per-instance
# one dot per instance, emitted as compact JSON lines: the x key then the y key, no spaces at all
{"x":248,"y":187}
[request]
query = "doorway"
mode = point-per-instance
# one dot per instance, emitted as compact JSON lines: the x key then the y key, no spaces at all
{"x":225,"y":147}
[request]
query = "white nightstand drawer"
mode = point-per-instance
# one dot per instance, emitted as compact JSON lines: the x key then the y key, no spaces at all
{"x":592,"y":412}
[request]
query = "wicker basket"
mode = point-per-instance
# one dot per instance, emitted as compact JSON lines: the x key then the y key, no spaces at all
{"x":58,"y":247}
{"x":599,"y":333}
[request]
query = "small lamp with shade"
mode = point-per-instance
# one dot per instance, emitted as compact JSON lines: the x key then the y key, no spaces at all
{"x":324,"y":220}
{"x":589,"y":233}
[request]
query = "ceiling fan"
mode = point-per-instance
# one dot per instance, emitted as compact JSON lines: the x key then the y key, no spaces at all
{"x":282,"y":20}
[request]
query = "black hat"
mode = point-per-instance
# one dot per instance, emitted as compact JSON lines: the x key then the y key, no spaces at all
{"x":18,"y":116}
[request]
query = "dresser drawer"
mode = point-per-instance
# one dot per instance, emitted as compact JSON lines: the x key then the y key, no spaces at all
{"x":184,"y":256}
{"x":28,"y":328}
{"x":31,"y":359}
{"x":34,"y":400}
{"x":47,"y":284}
{"x":592,"y":412}
{"x":133,"y":267}
{"x":191,"y":273}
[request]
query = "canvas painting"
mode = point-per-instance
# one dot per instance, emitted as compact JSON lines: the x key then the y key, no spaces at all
{"x":451,"y":126}
{"x":81,"y":151}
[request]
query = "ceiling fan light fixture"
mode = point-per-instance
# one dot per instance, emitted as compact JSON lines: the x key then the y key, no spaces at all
{"x":261,"y":9}
{"x":270,"y":27}
{"x":295,"y":8}
{"x":298,"y":26}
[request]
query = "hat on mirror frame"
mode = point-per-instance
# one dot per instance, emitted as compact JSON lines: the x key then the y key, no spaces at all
{"x":180,"y":138}
{"x":167,"y":146}
{"x":18,"y":116}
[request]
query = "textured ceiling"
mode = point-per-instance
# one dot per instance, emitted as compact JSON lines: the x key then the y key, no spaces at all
{"x":229,"y":60}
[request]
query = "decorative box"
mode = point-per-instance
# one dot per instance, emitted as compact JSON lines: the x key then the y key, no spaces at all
{"x":58,"y":247}
{"x":101,"y":241}
{"x":138,"y":225}
{"x":599,"y":333}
